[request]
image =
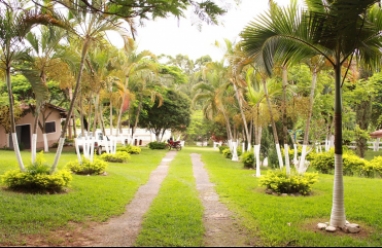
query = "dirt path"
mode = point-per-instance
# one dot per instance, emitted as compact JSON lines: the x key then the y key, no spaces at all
{"x":122,"y":231}
{"x":221,"y":228}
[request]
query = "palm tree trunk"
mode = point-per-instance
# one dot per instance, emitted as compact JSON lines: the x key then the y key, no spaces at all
{"x":337,"y":218}
{"x":228,"y":125}
{"x":34,"y":137}
{"x":15,"y":141}
{"x":284,"y":119}
{"x":302,"y":167}
{"x":241,"y":112}
{"x":257,"y":149}
{"x":275,"y":136}
{"x":63,"y":133}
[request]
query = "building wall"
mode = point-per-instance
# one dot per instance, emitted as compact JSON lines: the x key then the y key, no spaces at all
{"x":3,"y":137}
{"x":28,"y":119}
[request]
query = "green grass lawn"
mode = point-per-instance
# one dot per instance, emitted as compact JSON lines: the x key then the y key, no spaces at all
{"x":282,"y":221}
{"x":275,"y":220}
{"x":175,"y":216}
{"x":95,"y":198}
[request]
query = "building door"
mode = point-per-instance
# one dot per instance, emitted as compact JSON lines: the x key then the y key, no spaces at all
{"x":23,"y":137}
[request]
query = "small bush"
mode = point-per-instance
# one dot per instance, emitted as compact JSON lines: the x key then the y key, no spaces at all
{"x":130,"y":149}
{"x":279,"y":182}
{"x":37,"y":178}
{"x":248,"y":159}
{"x":118,"y":157}
{"x":96,"y":167}
{"x":222,"y":148}
{"x":352,"y":164}
{"x":227,"y":153}
{"x":373,"y":168}
{"x":157,"y":145}
{"x":323,"y":162}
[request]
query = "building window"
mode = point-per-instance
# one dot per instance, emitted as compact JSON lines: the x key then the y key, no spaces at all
{"x":50,"y":127}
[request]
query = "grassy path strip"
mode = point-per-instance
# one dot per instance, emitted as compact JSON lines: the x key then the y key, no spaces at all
{"x":221,"y":228}
{"x":175,"y":217}
{"x":123,"y":230}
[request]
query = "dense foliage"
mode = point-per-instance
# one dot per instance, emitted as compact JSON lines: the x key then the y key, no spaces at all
{"x":87,"y":167}
{"x":118,"y":157}
{"x":248,"y":159}
{"x":174,"y":113}
{"x":130,"y":149}
{"x":157,"y":145}
{"x":279,"y":182}
{"x":37,"y":178}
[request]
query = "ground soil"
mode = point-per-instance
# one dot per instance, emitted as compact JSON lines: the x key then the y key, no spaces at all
{"x":222,"y":229}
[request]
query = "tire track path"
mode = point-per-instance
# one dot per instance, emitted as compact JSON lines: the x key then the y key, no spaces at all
{"x":221,"y":227}
{"x":123,"y":230}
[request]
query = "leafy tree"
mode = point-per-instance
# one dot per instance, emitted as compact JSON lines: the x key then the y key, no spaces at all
{"x":174,"y":113}
{"x":336,"y":30}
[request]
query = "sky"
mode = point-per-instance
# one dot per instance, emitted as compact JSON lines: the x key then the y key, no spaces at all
{"x":172,"y":37}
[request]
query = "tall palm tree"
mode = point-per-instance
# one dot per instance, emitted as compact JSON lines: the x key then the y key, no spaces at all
{"x":15,"y":23}
{"x":213,"y":89}
{"x":336,"y":30}
{"x":237,"y":60}
{"x":255,"y":96}
{"x":42,"y":60}
{"x":131,"y":62}
{"x":91,"y":27}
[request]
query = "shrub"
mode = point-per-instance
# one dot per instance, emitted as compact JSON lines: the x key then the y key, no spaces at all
{"x":118,"y":157}
{"x":373,"y":168}
{"x":279,"y":182}
{"x":96,"y":167}
{"x":222,"y":148}
{"x":323,"y":162}
{"x":37,"y":178}
{"x":227,"y":153}
{"x":130,"y":149}
{"x":157,"y":145}
{"x":352,"y":164}
{"x":248,"y":159}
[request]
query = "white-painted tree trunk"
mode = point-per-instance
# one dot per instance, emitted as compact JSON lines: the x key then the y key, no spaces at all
{"x":17,"y":151}
{"x":337,"y":217}
{"x":301,"y":167}
{"x":234,"y":152}
{"x":287,"y":163}
{"x":256,"y":149}
{"x":46,"y":146}
{"x":58,"y":154}
{"x":230,"y":144}
{"x":295,"y":160}
{"x":279,"y":156}
{"x":91,"y":144}
{"x":33,"y":148}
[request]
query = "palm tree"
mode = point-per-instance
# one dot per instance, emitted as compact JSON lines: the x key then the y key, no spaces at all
{"x":42,"y":60}
{"x":91,"y":27}
{"x":15,"y":23}
{"x":257,"y":99}
{"x":131,"y":62}
{"x":336,"y":30}
{"x":213,"y":89}
{"x":237,"y":60}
